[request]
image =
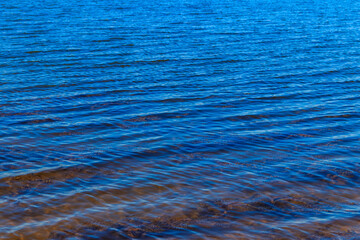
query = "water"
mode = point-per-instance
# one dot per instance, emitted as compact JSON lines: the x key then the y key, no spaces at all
{"x":193,"y":119}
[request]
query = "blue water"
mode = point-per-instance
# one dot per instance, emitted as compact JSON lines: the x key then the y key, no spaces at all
{"x":195,"y":119}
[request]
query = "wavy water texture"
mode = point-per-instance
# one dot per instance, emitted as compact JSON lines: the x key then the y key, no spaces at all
{"x":195,"y":119}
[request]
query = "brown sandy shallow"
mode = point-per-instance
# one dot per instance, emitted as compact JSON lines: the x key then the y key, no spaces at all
{"x":265,"y":218}
{"x":223,"y":220}
{"x":317,"y":204}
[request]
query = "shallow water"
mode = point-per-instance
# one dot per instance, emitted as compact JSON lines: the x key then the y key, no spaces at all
{"x":192,"y":119}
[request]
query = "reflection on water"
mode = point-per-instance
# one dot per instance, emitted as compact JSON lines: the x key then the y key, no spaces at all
{"x":196,"y":119}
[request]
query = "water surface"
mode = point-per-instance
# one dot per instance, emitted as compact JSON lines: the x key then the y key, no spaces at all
{"x":193,"y":119}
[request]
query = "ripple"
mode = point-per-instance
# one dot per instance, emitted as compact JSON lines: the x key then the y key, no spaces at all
{"x":179,"y":120}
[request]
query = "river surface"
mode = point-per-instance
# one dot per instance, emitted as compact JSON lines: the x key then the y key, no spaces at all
{"x":194,"y":119}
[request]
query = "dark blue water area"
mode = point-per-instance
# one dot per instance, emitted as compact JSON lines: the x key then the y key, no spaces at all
{"x":194,"y":119}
